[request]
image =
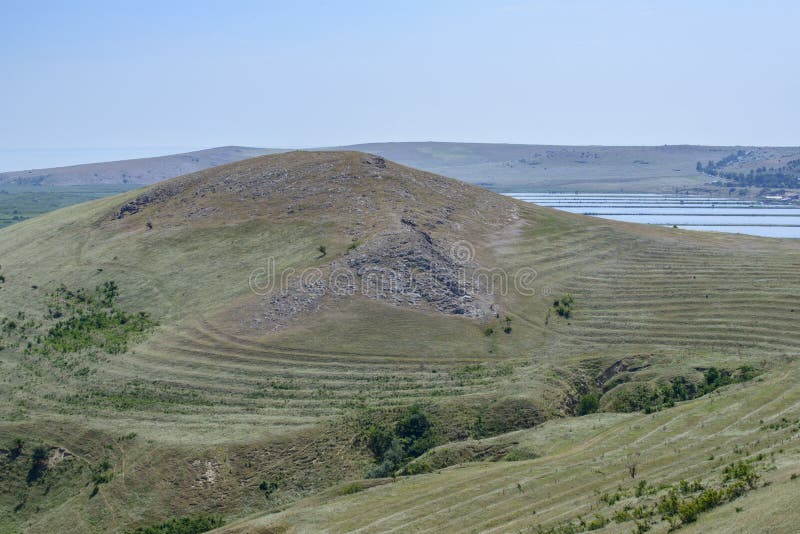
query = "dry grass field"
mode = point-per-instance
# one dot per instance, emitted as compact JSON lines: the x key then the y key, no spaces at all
{"x":582,"y":464}
{"x":232,"y":390}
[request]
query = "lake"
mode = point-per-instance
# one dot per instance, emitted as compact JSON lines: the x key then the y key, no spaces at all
{"x":690,"y":212}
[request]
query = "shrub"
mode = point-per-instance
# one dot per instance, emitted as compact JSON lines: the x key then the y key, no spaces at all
{"x":563,"y":306}
{"x":268,"y":487}
{"x":377,"y":440}
{"x":519,"y":454}
{"x":90,"y":320}
{"x":587,"y":404}
{"x":183,"y":525}
{"x":597,"y":522}
{"x":411,"y":436}
{"x":38,"y":464}
{"x":349,"y":489}
{"x":16,"y":449}
{"x":741,"y":471}
{"x":413,"y":428}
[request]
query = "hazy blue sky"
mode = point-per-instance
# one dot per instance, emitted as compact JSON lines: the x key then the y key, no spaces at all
{"x":99,"y":80}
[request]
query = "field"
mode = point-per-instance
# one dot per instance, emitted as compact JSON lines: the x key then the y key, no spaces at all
{"x":234,"y":391}
{"x":18,"y":203}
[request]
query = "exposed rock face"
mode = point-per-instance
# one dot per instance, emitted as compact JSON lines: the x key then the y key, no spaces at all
{"x":404,"y":267}
{"x":56,"y":455}
{"x":153,"y":196}
{"x":408,"y":268}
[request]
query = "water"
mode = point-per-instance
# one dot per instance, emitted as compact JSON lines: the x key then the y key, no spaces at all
{"x":690,"y":212}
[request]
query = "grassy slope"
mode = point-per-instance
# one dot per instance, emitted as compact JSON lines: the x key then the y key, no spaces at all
{"x":207,"y":392}
{"x":582,"y":459}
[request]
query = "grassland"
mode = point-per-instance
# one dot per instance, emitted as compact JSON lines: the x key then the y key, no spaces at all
{"x":219,"y":397}
{"x":582,"y":470}
{"x":18,"y":203}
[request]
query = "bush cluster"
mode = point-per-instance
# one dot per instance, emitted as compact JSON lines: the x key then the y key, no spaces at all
{"x":183,"y":525}
{"x":563,"y":306}
{"x":650,"y":398}
{"x":392,"y":447}
{"x":678,"y":504}
{"x":90,"y":320}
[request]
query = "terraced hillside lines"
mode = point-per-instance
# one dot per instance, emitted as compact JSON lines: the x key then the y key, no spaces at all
{"x":581,"y":460}
{"x":242,"y":381}
{"x":684,"y":297}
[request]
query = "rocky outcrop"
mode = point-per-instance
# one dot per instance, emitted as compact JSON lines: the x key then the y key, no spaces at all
{"x":405,"y":267}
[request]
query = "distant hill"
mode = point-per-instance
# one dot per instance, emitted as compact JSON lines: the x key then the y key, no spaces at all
{"x":142,"y":171}
{"x":503,"y":167}
{"x":500,"y":167}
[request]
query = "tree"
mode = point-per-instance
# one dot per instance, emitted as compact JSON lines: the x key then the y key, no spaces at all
{"x":588,"y":404}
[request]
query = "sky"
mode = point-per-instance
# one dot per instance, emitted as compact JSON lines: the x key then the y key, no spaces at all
{"x":92,"y":81}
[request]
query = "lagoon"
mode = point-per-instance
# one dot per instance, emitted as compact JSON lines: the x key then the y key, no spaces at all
{"x":730,"y":215}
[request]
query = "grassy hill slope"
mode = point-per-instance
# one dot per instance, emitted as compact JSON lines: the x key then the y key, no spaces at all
{"x":581,"y":470}
{"x":290,"y":298}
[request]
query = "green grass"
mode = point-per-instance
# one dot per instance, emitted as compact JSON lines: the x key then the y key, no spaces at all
{"x":18,"y":203}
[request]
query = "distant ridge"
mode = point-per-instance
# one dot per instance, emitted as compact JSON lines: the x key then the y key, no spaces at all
{"x":590,"y":168}
{"x":500,"y":167}
{"x":140,"y":171}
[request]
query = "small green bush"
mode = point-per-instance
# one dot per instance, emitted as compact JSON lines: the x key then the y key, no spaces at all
{"x":563,"y":306}
{"x":349,"y":489}
{"x":411,"y":436}
{"x":268,"y":487}
{"x":587,"y":404}
{"x":38,"y":464}
{"x":183,"y":525}
{"x":597,"y":522}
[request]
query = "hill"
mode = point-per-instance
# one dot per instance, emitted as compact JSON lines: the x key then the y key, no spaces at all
{"x":141,"y":171}
{"x":245,"y":337}
{"x":747,"y":171}
{"x":609,"y":169}
{"x":500,"y":167}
